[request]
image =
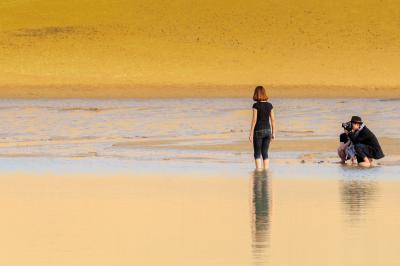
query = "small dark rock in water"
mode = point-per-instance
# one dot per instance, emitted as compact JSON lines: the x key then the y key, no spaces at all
{"x":302,"y":161}
{"x":320,"y":162}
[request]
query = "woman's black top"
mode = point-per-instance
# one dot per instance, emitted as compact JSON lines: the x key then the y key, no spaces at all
{"x":343,"y":137}
{"x":263,"y":112}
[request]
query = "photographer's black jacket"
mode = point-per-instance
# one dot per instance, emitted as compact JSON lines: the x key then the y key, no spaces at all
{"x":365,"y":136}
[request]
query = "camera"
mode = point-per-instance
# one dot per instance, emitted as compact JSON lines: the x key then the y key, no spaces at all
{"x":347,"y":126}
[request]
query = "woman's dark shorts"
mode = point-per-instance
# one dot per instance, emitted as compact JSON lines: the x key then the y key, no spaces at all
{"x":261,"y":140}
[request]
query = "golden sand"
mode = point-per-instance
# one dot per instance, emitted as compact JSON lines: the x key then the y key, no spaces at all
{"x":229,"y":42}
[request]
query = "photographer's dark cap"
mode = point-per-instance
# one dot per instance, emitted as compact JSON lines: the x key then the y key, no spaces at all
{"x":356,"y":119}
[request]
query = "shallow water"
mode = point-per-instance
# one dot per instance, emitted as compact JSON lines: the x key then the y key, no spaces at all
{"x":119,"y":212}
{"x":73,"y":128}
{"x":70,"y":194}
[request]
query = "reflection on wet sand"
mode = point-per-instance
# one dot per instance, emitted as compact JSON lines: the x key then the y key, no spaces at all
{"x":260,"y":215}
{"x":236,"y":218}
{"x":357,"y":197}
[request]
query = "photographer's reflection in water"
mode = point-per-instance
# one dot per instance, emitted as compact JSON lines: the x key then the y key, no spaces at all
{"x":357,"y":196}
{"x":260,"y":214}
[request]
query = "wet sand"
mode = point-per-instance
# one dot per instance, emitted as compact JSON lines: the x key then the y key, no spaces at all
{"x":389,"y":145}
{"x":201,"y":130}
{"x":192,"y":91}
{"x":307,"y":150}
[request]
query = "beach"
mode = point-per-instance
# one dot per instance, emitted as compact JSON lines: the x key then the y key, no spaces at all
{"x":124,"y":136}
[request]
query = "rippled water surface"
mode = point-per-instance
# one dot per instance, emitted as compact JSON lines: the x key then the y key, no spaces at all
{"x":88,"y":127}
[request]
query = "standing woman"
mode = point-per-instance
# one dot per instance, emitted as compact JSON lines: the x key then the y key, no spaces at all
{"x":262,"y":130}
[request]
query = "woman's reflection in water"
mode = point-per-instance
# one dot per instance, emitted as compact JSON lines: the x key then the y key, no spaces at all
{"x":260,"y":214}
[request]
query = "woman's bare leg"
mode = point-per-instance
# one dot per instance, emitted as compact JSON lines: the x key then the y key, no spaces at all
{"x":258,"y":164}
{"x":266,"y":164}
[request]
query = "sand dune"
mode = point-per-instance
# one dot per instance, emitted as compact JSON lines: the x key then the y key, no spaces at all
{"x":229,"y":42}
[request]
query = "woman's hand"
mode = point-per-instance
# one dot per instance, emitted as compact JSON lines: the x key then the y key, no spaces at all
{"x":251,"y":138}
{"x":273,"y":136}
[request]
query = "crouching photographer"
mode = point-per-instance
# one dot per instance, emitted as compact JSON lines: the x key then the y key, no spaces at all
{"x":360,"y":142}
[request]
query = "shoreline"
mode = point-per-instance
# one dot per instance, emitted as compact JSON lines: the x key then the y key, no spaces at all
{"x":183,"y":149}
{"x":148,"y":91}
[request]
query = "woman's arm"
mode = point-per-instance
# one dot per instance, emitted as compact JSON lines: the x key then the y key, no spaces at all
{"x":272,"y":116}
{"x":253,"y":124}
